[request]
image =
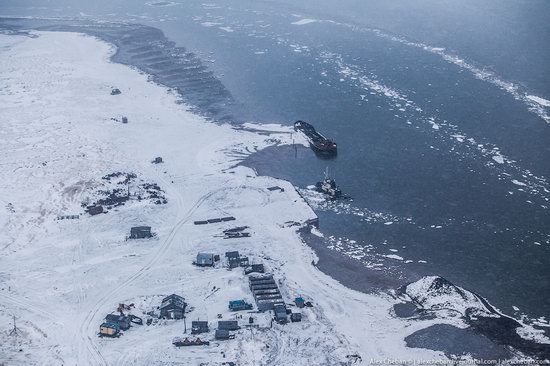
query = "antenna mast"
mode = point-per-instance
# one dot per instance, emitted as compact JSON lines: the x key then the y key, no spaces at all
{"x":14,"y":331}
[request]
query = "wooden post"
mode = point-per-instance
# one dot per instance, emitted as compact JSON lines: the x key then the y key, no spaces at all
{"x":184,"y":323}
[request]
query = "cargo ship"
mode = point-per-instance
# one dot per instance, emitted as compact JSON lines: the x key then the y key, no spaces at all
{"x":319,"y":143}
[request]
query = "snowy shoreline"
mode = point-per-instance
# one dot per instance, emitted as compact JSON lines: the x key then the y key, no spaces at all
{"x":62,"y":134}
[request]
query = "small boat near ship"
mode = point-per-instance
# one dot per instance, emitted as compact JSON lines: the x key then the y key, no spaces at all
{"x":328,"y":186}
{"x":319,"y":143}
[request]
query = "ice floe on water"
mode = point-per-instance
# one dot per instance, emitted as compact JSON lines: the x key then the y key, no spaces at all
{"x":304,"y":21}
{"x":318,"y":201}
{"x":210,"y":24}
{"x":358,"y":251}
{"x":161,"y":3}
{"x":518,"y":183}
{"x":539,"y":100}
{"x":499,"y":159}
{"x":394,"y":256}
{"x":227,"y":29}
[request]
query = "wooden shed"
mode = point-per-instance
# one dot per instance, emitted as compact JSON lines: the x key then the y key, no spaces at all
{"x":140,"y":232}
{"x":108,"y":329}
{"x":198,"y":327}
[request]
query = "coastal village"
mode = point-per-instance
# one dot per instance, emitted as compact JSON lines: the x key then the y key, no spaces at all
{"x":145,"y":242}
{"x":163,"y":252}
{"x":270,"y":306}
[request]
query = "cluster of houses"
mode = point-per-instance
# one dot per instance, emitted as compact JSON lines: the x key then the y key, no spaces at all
{"x":263,"y":286}
{"x":171,"y":307}
{"x":225,"y":327}
{"x":223,"y":332}
{"x":232,"y":259}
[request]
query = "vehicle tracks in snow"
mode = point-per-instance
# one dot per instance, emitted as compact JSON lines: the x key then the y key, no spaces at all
{"x":89,"y":345}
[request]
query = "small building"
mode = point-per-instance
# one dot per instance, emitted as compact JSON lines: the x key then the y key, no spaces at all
{"x":268,"y":304}
{"x":280,"y":313}
{"x":204,"y":260}
{"x":140,"y":232}
{"x":108,"y":329}
{"x":173,"y":307}
{"x":243,"y":261}
{"x":233,"y":259}
{"x":257,"y":268}
{"x":94,"y":210}
{"x":300,"y":302}
{"x":124,"y":119}
{"x":115,"y":91}
{"x":198,"y":327}
{"x":238,"y":305}
{"x":121,"y":320}
{"x":158,"y":160}
{"x":222,"y":335}
{"x":233,"y":254}
{"x":228,"y":325}
{"x":296,"y":317}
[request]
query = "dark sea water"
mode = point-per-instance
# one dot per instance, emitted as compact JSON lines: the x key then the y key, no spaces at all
{"x":442,"y":149}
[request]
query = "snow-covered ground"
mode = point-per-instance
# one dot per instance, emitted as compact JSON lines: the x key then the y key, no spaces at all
{"x":61,"y":132}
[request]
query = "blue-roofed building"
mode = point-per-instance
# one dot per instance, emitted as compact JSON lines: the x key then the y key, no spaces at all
{"x":204,"y":260}
{"x":238,"y":305}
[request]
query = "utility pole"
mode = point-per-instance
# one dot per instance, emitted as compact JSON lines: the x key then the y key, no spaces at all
{"x":14,"y":331}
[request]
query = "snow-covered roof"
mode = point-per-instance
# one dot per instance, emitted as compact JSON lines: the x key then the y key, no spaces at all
{"x":173,"y":301}
{"x":232,"y":255}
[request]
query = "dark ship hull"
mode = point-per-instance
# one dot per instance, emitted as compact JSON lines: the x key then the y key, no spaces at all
{"x":319,"y":143}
